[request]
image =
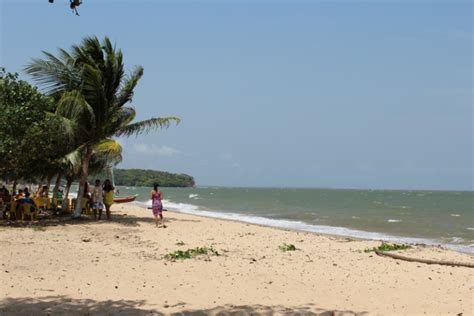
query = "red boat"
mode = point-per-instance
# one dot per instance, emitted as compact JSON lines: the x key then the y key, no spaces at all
{"x":125,"y":199}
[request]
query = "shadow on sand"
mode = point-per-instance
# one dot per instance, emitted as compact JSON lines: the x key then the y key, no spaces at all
{"x":47,"y":219}
{"x":63,"y":305}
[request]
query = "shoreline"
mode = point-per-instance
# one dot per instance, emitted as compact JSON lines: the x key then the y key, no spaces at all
{"x":101,"y":267}
{"x":311,"y":228}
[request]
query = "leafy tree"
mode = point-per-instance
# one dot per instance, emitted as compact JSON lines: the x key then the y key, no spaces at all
{"x":95,"y":96}
{"x":29,"y":139}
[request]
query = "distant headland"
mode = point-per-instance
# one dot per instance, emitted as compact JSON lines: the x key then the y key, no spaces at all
{"x":146,"y":178}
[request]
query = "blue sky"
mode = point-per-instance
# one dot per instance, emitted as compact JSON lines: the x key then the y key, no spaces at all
{"x":341,"y":94}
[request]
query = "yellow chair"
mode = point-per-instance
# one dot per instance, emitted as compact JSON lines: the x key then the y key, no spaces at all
{"x":39,"y":201}
{"x":85,"y":205}
{"x":65,"y":205}
{"x":12,"y":210}
{"x":26,"y":210}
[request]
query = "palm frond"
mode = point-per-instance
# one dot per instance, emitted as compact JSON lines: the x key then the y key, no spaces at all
{"x":88,"y":52}
{"x":147,"y":126}
{"x":113,"y":71}
{"x":74,"y":107}
{"x":72,"y":162}
{"x":126,"y":93}
{"x":109,"y":149}
{"x":67,"y":127}
{"x":93,"y":48}
{"x":92,"y":88}
{"x":120,"y":118}
{"x":52,"y":76}
{"x":66,"y":57}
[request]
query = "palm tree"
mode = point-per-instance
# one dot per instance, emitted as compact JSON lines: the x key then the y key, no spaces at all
{"x":70,"y":165}
{"x":94,"y":97}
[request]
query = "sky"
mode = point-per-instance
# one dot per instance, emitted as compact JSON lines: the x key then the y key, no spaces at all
{"x":333,"y":94}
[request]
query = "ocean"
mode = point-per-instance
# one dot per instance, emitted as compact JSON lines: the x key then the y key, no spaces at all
{"x":429,"y":217}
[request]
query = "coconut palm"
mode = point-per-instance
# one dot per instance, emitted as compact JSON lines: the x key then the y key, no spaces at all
{"x":70,"y":165}
{"x":95,"y":95}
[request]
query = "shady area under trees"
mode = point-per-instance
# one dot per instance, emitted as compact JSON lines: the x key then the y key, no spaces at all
{"x":63,"y":128}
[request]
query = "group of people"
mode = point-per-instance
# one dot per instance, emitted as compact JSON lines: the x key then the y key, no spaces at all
{"x":22,"y":196}
{"x":100,"y":196}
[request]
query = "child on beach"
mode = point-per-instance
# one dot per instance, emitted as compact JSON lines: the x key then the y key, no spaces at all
{"x":108,"y":196}
{"x":157,"y":204}
{"x":19,"y":195}
{"x":97,"y":199}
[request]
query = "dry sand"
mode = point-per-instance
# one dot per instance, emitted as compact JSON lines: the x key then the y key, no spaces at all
{"x":102,"y":268}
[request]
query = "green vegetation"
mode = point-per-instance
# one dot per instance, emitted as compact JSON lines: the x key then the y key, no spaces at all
{"x":388,"y":247}
{"x":191,"y":253}
{"x":38,"y":228}
{"x":92,"y":96}
{"x":67,"y":127}
{"x":29,"y":140}
{"x":146,"y":178}
{"x":287,"y":247}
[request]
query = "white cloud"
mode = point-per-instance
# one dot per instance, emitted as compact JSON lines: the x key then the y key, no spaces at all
{"x":154,"y":150}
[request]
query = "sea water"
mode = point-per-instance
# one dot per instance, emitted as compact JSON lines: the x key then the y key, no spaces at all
{"x":429,"y":217}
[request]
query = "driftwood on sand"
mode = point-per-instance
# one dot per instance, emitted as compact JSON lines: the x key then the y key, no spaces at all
{"x":427,"y":261}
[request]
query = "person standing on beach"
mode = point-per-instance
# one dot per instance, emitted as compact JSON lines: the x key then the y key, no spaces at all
{"x":157,"y":204}
{"x":108,"y":196}
{"x":97,"y":199}
{"x":19,"y":195}
{"x":43,"y":192}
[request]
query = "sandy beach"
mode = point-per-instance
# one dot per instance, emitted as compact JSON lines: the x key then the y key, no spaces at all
{"x":85,"y":267}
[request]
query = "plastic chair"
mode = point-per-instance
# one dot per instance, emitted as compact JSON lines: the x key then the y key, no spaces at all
{"x":39,"y":201}
{"x":85,"y":205}
{"x":66,"y":205}
{"x":27,"y":210}
{"x":12,"y":210}
{"x":47,"y":202}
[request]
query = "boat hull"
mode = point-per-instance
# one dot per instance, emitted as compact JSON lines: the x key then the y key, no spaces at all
{"x":125,"y":199}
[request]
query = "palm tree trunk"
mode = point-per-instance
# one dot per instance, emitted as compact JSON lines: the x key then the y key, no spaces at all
{"x":55,"y":192}
{"x":48,"y":183}
{"x":14,"y":188}
{"x":66,"y":195}
{"x":83,"y":179}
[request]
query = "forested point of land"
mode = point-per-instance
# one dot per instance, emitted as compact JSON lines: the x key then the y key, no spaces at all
{"x":146,"y":178}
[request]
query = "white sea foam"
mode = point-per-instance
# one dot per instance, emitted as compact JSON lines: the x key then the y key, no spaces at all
{"x":457,"y":240}
{"x":394,"y":220}
{"x":194,"y":196}
{"x":298,"y":225}
{"x":470,"y":228}
{"x":455,"y":215}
